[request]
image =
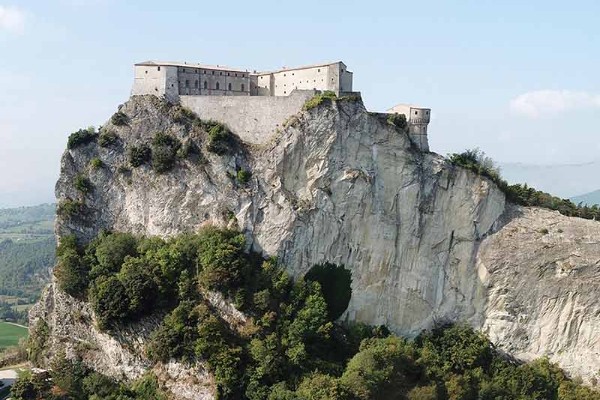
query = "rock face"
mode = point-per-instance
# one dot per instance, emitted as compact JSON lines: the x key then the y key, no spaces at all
{"x":542,"y":276}
{"x":424,"y":240}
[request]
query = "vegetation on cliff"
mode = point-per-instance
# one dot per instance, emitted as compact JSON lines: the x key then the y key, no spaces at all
{"x":287,"y":346}
{"x":475,"y":160}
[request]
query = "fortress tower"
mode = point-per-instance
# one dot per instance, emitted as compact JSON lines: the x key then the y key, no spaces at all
{"x":417,"y":119}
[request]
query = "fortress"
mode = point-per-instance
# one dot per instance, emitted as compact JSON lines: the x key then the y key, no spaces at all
{"x":224,"y":94}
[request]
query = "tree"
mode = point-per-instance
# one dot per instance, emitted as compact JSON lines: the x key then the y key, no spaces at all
{"x":140,"y":288}
{"x":335,"y":281}
{"x":110,"y":301}
{"x":222,"y":258}
{"x":112,"y":250}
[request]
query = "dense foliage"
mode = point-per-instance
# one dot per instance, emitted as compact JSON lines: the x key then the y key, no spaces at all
{"x":220,"y":138}
{"x":119,"y":118}
{"x":289,"y":346}
{"x":26,"y":253}
{"x":139,"y":155}
{"x":398,"y":120}
{"x":476,"y":161}
{"x":71,"y":380}
{"x":82,"y":137}
{"x":164,"y":151}
{"x":318,"y":99}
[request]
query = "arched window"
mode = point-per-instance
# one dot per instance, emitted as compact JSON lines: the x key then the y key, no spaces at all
{"x":243,"y":87}
{"x":205,"y":85}
{"x":217,"y":87}
{"x":229,"y":87}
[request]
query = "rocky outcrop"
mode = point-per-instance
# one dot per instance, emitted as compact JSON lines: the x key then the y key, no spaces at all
{"x":424,"y":240}
{"x":542,"y":277}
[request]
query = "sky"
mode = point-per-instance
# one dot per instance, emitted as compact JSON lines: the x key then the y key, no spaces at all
{"x":517,"y":79}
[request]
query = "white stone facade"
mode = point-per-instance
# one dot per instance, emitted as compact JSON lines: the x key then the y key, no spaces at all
{"x":418,"y":120}
{"x":172,"y":80}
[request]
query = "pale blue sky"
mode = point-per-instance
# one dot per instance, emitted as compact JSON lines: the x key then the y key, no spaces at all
{"x":518,"y":79}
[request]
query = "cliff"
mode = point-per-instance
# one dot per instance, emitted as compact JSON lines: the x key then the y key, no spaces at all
{"x":427,"y":242}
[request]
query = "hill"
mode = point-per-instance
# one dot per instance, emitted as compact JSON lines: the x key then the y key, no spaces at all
{"x":590,"y":198}
{"x":27,"y":248}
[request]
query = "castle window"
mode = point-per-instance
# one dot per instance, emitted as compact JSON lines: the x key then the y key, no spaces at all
{"x":205,"y":85}
{"x":213,"y":72}
{"x":196,"y":84}
{"x":236,"y":74}
{"x":426,"y":112}
{"x":229,"y":87}
{"x":319,"y":70}
{"x":159,"y":68}
{"x":204,"y":72}
{"x":184,"y":70}
{"x":220,"y":73}
{"x":146,"y":71}
{"x":243,"y":76}
{"x":284,"y":92}
{"x":242,"y":87}
{"x":228,"y":74}
{"x":187,"y":83}
{"x":283,"y":74}
{"x":416,"y":112}
{"x":217,"y":86}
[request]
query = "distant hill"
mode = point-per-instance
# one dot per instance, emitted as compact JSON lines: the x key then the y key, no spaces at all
{"x":27,"y":252}
{"x":562,"y":180}
{"x":590,"y":198}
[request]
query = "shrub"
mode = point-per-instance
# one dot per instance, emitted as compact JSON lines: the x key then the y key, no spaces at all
{"x":107,"y":139}
{"x":139,"y":155}
{"x":325,"y":97}
{"x":138,"y":283}
{"x":69,"y":208}
{"x":243,"y":176}
{"x":335,"y":282}
{"x":96,"y":163}
{"x":36,"y":341}
{"x":220,"y":138}
{"x":221,"y":256}
{"x":83,"y":184}
{"x":81,"y":137}
{"x":164,"y":151}
{"x":119,"y":118}
{"x":111,"y":251}
{"x":109,"y":300}
{"x":183,"y":115}
{"x":71,"y":271}
{"x":398,"y":120}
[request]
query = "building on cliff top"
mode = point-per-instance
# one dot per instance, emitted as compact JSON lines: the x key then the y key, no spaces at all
{"x":275,"y":95}
{"x":172,"y":79}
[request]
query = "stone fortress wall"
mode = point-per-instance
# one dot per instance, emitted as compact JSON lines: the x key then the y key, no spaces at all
{"x":418,"y":119}
{"x":254,"y":119}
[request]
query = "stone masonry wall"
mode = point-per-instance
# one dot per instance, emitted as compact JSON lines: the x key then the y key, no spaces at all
{"x":253,"y":118}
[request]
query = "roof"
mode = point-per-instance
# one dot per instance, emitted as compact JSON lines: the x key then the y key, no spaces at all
{"x":393,"y":109}
{"x":284,"y":69}
{"x":189,"y":65}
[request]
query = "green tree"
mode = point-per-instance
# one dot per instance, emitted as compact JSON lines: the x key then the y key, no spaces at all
{"x":335,"y":281}
{"x":110,"y":301}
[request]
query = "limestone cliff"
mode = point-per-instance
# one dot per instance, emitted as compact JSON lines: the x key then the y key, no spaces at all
{"x":426,"y":241}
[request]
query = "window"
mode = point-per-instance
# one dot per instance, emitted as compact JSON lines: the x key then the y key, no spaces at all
{"x":416,"y":112}
{"x":426,"y":112}
{"x":196,"y":84}
{"x":283,"y":74}
{"x":204,"y":72}
{"x":243,"y":87}
{"x":159,"y":68}
{"x":228,"y":74}
{"x":217,"y":86}
{"x":221,"y":73}
{"x":205,"y":85}
{"x":187,"y":83}
{"x":146,"y":71}
{"x":284,"y":92}
{"x":236,"y":74}
{"x":229,"y":87}
{"x":184,"y":70}
{"x":213,"y":72}
{"x":243,"y":76}
{"x":319,"y":70}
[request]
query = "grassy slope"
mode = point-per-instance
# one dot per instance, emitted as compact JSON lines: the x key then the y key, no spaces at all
{"x":10,"y":334}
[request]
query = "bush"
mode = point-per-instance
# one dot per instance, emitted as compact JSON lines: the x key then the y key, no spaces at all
{"x":69,"y":208}
{"x":221,"y":257}
{"x":96,"y":163}
{"x":220,"y":138}
{"x":139,"y":155}
{"x":36,"y":341}
{"x":164,"y":151}
{"x":81,"y":137}
{"x":325,"y":97}
{"x":112,"y":250}
{"x":335,"y":281}
{"x":107,"y":139}
{"x":398,"y":120}
{"x":119,"y":119}
{"x":243,"y":176}
{"x":71,"y":271}
{"x":110,"y":302}
{"x":83,"y":184}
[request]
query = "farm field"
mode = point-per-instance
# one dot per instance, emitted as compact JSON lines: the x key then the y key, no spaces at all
{"x":10,"y":334}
